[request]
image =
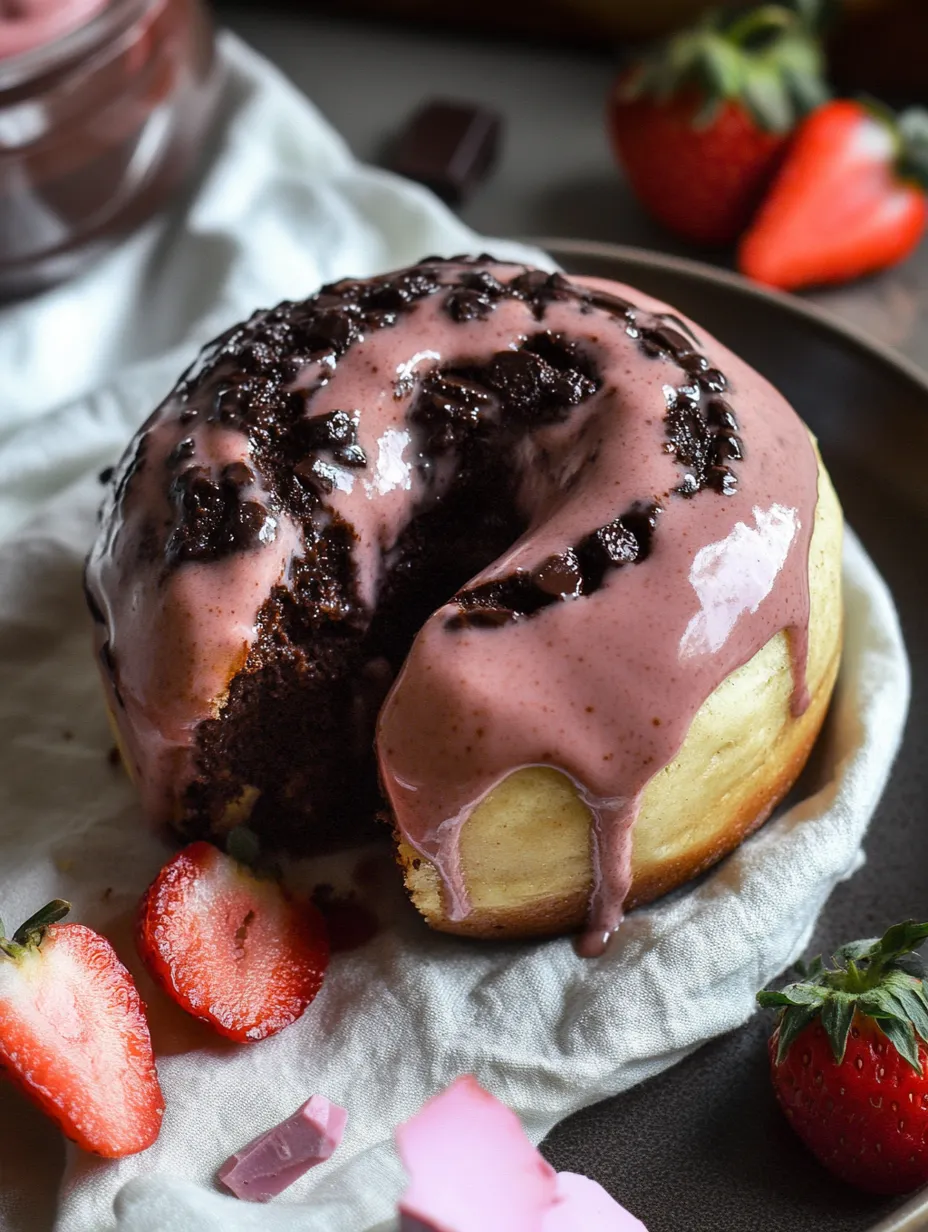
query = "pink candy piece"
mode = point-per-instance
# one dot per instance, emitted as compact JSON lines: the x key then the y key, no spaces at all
{"x":583,"y":1206}
{"x":472,"y":1169}
{"x":267,"y":1166}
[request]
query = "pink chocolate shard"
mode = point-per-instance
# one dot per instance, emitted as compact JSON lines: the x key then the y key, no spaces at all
{"x":583,"y":1206}
{"x":267,"y":1166}
{"x":471,"y":1167}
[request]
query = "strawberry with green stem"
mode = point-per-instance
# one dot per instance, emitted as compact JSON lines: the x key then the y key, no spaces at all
{"x":74,"y":1037}
{"x":701,"y":124}
{"x":849,"y":1061}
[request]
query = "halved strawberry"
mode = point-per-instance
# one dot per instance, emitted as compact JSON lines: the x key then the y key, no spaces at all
{"x":229,"y":947}
{"x":73,"y":1034}
{"x":849,"y":199}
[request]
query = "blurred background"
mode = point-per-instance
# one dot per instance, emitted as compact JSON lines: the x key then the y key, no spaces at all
{"x":507,"y":107}
{"x":547,"y":67}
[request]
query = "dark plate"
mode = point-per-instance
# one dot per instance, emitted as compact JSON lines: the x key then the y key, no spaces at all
{"x":703,"y":1148}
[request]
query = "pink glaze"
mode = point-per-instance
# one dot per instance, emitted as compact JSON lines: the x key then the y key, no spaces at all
{"x":272,"y":1162}
{"x":602,"y":687}
{"x":27,"y":24}
{"x":177,"y":639}
{"x":471,"y":1167}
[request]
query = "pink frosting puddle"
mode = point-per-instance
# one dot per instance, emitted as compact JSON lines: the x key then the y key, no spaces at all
{"x":27,"y":24}
{"x":472,"y":1169}
{"x":272,"y":1162}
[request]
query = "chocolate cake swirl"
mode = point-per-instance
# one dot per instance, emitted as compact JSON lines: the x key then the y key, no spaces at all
{"x":467,"y":516}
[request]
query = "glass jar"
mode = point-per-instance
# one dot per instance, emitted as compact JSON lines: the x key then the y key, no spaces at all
{"x":97,"y":130}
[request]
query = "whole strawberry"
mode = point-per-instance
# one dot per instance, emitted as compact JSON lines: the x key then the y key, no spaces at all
{"x":850,"y":1065}
{"x":74,"y":1037}
{"x":701,"y":125}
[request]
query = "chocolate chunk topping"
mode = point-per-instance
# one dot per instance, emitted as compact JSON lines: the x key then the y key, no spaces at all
{"x":542,"y":381}
{"x":720,"y":415}
{"x":532,"y":389}
{"x":613,"y":304}
{"x":212,"y":519}
{"x":579,"y":571}
{"x":712,"y":380}
{"x":517,"y":390}
{"x":726,"y":448}
{"x":336,"y":433}
{"x":478,"y":293}
{"x":669,"y":340}
{"x":560,"y":576}
{"x":701,"y":433}
{"x":239,"y":474}
{"x":625,"y":541}
{"x":182,"y":451}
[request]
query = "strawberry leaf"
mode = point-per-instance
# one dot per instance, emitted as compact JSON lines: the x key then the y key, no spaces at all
{"x":913,"y":134}
{"x":879,"y":979}
{"x":912,"y":964}
{"x":837,"y":1013}
{"x":809,"y":971}
{"x":793,"y":1023}
{"x":33,"y":928}
{"x":806,"y":90}
{"x":908,"y":936}
{"x":816,"y":14}
{"x":793,"y":994}
{"x":902,"y":1036}
{"x":909,"y":1001}
{"x":768,"y":60}
{"x":767,"y":98}
{"x":722,"y":69}
{"x":853,"y":952}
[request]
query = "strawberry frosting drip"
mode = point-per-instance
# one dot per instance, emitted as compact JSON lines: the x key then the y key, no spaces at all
{"x":602,"y":686}
{"x":179,"y":635}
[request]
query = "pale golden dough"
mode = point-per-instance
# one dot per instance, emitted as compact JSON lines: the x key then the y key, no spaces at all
{"x":525,"y":850}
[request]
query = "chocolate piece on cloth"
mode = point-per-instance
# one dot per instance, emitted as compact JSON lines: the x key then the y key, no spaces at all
{"x":451,"y":147}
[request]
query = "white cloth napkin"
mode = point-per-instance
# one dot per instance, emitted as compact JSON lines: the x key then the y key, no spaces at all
{"x":282,"y":207}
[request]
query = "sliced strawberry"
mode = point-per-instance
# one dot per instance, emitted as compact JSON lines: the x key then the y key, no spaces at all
{"x":230,"y":947}
{"x":73,"y":1035}
{"x":849,"y":199}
